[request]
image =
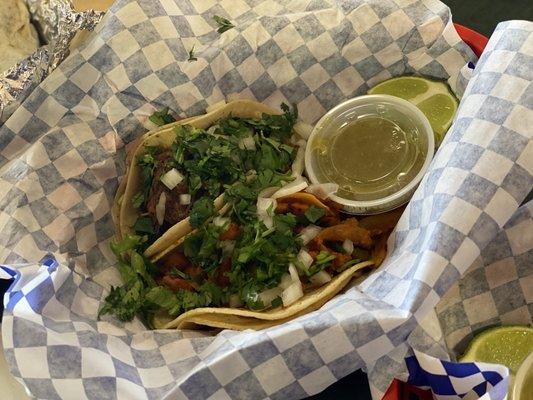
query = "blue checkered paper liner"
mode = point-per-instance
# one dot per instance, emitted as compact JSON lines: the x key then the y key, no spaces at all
{"x":62,"y":156}
{"x":496,"y":287}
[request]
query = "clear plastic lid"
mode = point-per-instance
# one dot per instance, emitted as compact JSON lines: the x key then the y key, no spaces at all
{"x":376,"y":147}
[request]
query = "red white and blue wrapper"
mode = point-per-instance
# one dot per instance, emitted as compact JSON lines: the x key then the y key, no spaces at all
{"x":63,"y":153}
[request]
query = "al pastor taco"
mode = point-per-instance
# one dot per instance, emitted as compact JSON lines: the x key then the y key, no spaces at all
{"x":269,"y":255}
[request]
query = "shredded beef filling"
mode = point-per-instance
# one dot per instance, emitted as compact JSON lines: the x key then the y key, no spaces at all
{"x":174,"y":210}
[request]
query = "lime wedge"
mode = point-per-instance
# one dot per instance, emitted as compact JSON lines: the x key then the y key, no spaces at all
{"x":506,"y":345}
{"x":433,"y":98}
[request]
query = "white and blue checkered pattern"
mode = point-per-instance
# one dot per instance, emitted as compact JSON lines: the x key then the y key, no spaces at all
{"x":449,"y":380}
{"x":62,"y":155}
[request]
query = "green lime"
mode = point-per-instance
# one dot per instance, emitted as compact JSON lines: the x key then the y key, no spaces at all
{"x":506,"y":345}
{"x":433,"y":98}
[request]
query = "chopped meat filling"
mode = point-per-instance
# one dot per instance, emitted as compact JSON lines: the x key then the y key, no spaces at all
{"x":174,"y":210}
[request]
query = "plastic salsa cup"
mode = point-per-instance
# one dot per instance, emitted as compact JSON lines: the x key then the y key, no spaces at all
{"x":400,"y":113}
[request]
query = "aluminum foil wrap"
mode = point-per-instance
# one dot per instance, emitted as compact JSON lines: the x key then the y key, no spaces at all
{"x":58,"y":23}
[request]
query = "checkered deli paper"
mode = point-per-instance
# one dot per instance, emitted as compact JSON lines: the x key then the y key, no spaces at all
{"x":63,"y":155}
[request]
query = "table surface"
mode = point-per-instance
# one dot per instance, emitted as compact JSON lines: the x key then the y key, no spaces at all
{"x":480,"y":15}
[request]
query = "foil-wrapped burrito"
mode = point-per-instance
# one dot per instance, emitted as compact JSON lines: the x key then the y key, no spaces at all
{"x":25,"y":25}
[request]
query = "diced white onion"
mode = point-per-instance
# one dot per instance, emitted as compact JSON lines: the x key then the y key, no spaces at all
{"x":322,"y":190}
{"x":292,"y":294}
{"x":172,"y":178}
{"x":303,"y":130}
{"x":160,"y":208}
{"x":263,"y":207}
{"x":295,"y":186}
{"x":268,"y":192}
{"x":235,"y":301}
{"x":320,"y":278}
{"x":266,"y":205}
{"x":247,"y":143}
{"x":266,"y":296}
{"x":268,"y":221}
{"x":305,"y":258}
{"x":294,"y":273}
{"x":215,"y":106}
{"x":309,"y":233}
{"x":347,"y":246}
{"x":286,"y":281}
{"x":220,"y":221}
{"x":211,"y":130}
{"x":251,"y":175}
{"x":298,"y":163}
{"x":185,"y":199}
{"x":227,"y":246}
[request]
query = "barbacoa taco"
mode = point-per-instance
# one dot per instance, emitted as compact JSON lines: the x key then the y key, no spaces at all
{"x":272,"y":253}
{"x":177,"y":174}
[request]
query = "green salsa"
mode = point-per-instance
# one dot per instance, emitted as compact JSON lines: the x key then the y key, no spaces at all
{"x":369,"y":157}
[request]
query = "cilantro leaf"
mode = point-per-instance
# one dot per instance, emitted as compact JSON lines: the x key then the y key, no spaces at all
{"x":192,"y":57}
{"x":162,"y":117}
{"x":130,"y":242}
{"x":144,"y":226}
{"x":324,"y":257}
{"x":285,"y":223}
{"x":162,"y":297}
{"x":138,"y":264}
{"x":314,"y":213}
{"x":323,"y":260}
{"x":201,"y":211}
{"x":124,"y":302}
{"x":223,"y":24}
{"x":213,"y":293}
{"x":138,"y":200}
{"x":277,"y":302}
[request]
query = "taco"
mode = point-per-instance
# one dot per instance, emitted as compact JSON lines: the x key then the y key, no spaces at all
{"x":272,"y":253}
{"x":177,"y":174}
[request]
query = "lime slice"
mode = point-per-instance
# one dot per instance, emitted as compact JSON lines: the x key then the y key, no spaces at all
{"x":506,"y":345}
{"x":433,"y":98}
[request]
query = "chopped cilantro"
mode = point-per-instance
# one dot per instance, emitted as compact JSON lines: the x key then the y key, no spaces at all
{"x":285,"y":223}
{"x":162,"y":297}
{"x":130,"y":242}
{"x":144,"y":226}
{"x":162,"y":117}
{"x":314,"y":213}
{"x":223,"y":24}
{"x":138,"y":200}
{"x":201,"y":211}
{"x":323,"y":260}
{"x":124,"y":302}
{"x":277,"y":302}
